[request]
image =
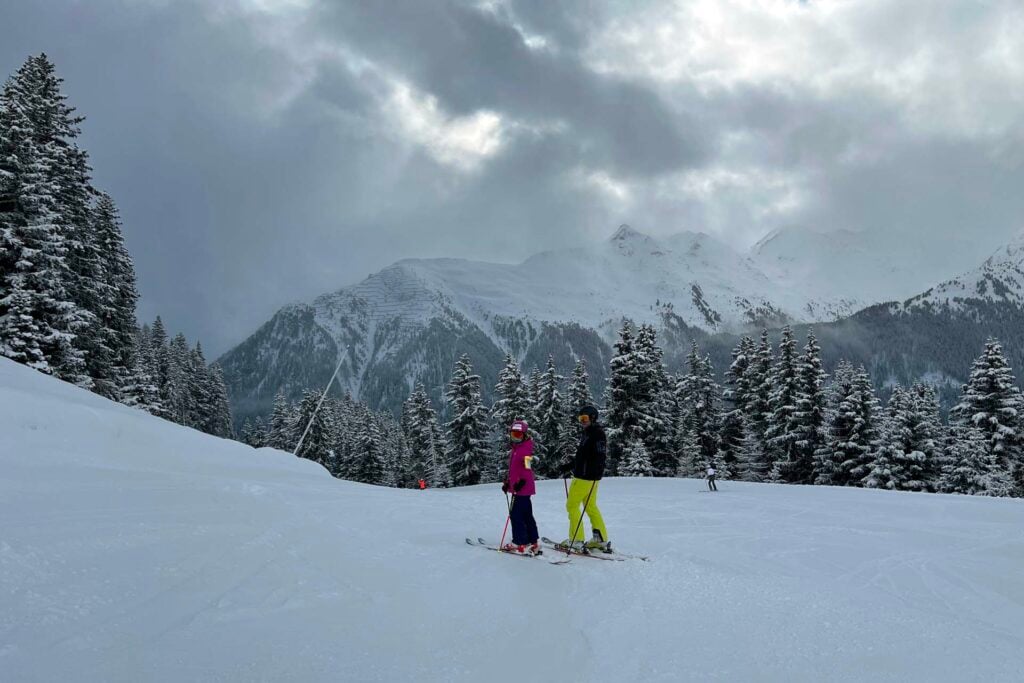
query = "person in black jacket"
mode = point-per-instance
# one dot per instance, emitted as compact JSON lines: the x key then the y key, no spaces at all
{"x":587,"y":471}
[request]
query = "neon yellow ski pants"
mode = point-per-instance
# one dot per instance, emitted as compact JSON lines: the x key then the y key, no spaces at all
{"x":577,"y":503}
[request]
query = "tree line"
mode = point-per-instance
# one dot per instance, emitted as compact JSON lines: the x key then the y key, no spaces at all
{"x":778,"y":417}
{"x":345,"y":436}
{"x":68,"y":290}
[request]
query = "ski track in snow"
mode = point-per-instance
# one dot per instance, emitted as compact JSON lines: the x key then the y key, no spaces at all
{"x":135,"y":550}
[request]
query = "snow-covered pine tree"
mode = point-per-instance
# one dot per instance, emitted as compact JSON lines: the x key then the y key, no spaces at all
{"x":65,"y":305}
{"x":141,"y":389}
{"x":550,"y":423}
{"x":218,"y":421}
{"x":38,"y":315}
{"x":902,"y":461}
{"x":809,"y":417}
{"x":533,"y":392}
{"x":426,"y":455}
{"x":907,"y":457}
{"x":992,"y":402}
{"x":247,"y":431}
{"x":120,"y":293}
{"x":749,"y":459}
{"x":758,"y":409}
{"x":440,"y":472}
{"x":664,"y":438}
{"x":468,"y":450}
{"x":57,"y":129}
{"x":884,"y":472}
{"x":637,"y":461}
{"x":398,"y":454}
{"x":368,"y":464}
{"x":658,"y":397}
{"x":840,"y":423}
{"x":688,"y":445}
{"x":418,"y":446}
{"x":332,"y":460}
{"x":180,"y":397}
{"x":735,"y":445}
{"x":697,"y":395}
{"x":512,"y":402}
{"x":320,"y":438}
{"x":865,"y":439}
{"x":162,"y":362}
{"x":283,"y":425}
{"x":624,"y":415}
{"x":971,"y":468}
{"x":254,"y":432}
{"x":512,"y":397}
{"x":345,"y":448}
{"x":783,"y":425}
{"x":199,"y":389}
{"x":577,"y":396}
{"x":914,"y":430}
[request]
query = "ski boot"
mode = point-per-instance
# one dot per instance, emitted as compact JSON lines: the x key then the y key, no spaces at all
{"x":535,"y":549}
{"x":514,"y":548}
{"x":575,"y":546}
{"x":598,"y":544}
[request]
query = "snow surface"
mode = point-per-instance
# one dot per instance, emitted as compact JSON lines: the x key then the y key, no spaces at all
{"x":132,"y":549}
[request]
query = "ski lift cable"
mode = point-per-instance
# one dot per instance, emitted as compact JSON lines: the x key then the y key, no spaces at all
{"x":323,"y":396}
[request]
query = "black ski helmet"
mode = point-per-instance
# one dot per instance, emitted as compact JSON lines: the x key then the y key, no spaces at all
{"x":591,"y":412}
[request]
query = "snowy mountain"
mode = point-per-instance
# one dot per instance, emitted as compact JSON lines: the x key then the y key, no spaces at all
{"x":134,"y":549}
{"x":999,"y":281}
{"x":932,"y":337}
{"x":407,"y":322}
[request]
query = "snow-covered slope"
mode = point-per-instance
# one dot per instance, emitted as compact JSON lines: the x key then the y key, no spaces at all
{"x":998,"y":281}
{"x":707,"y":284}
{"x":133,"y":549}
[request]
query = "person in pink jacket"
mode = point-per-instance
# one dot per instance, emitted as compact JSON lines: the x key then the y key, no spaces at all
{"x":525,"y":537}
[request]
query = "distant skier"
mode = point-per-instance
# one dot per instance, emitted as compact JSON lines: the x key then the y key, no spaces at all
{"x":423,"y":484}
{"x":587,"y":471}
{"x":525,"y":537}
{"x":711,"y":478}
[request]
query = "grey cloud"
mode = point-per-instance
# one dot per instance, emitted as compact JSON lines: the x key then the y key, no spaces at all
{"x":472,"y":59}
{"x":254,"y":172}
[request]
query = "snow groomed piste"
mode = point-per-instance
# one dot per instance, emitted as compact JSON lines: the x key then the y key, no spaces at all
{"x":132,"y":549}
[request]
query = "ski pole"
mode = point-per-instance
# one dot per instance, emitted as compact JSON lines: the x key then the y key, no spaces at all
{"x":507,"y":519}
{"x":566,"y":482}
{"x":572,"y":538}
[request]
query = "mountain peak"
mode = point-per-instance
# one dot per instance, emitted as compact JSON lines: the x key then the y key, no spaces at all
{"x":1013,"y":252}
{"x":626,"y":233}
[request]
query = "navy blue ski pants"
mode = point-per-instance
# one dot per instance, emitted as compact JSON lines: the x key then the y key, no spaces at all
{"x":524,"y":526}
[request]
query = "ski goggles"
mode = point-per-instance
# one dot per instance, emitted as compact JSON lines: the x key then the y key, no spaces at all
{"x":584,"y":419}
{"x":516,"y":434}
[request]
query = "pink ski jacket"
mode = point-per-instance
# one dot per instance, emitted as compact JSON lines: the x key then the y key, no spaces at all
{"x":519,"y":467}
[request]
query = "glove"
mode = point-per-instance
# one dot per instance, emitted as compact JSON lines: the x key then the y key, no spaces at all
{"x":504,"y":486}
{"x":519,"y":485}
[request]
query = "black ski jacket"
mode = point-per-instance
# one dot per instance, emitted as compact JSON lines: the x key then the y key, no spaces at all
{"x":591,"y":454}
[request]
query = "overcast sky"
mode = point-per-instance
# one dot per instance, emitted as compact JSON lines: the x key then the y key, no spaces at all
{"x":265,"y":151}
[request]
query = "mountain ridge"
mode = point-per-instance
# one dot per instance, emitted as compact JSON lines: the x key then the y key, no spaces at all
{"x":404,"y":323}
{"x":409,"y":322}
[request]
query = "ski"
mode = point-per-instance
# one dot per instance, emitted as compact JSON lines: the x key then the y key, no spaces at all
{"x":614,"y":555}
{"x":481,"y":543}
{"x":557,"y":547}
